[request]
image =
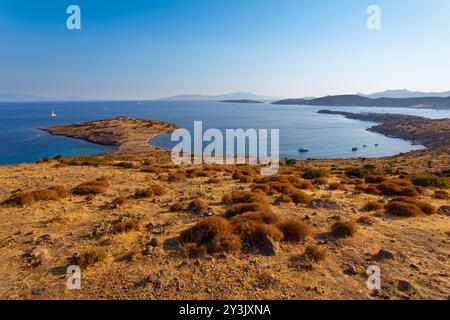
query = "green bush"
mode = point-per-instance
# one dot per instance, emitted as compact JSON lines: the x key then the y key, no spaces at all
{"x":430,"y":181}
{"x":362,"y":172}
{"x":314,"y":173}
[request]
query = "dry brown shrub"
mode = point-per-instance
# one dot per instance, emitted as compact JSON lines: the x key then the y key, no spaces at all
{"x":263,"y":187}
{"x":402,"y":209}
{"x":237,"y":175}
{"x":176,"y":177}
{"x":336,"y":186}
{"x":126,"y":225}
{"x":119,"y":201}
{"x":304,"y":185}
{"x":425,"y":207}
{"x":282,"y":198}
{"x":204,"y":231}
{"x":152,"y":191}
{"x":320,"y":181}
{"x":246,"y":179}
{"x":98,"y":186}
{"x":92,"y":257}
{"x":253,"y":232}
{"x":241,"y":208}
{"x":224,"y":242}
{"x":373,"y":206}
{"x":374,"y":179}
{"x":343,"y":229}
{"x":151,"y":169}
{"x":393,"y":188}
{"x":372,"y":190}
{"x":298,"y":197}
{"x":441,"y":194}
{"x":227,"y":198}
{"x":365,"y":220}
{"x":264,"y":217}
{"x":247,"y":197}
{"x":177,"y":206}
{"x":314,"y":254}
{"x":197,"y":206}
{"x":213,"y":181}
{"x":294,"y":231}
{"x":20,"y":199}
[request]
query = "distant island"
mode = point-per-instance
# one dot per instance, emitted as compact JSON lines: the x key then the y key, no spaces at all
{"x":360,"y":101}
{"x":229,"y":96}
{"x":241,"y":101}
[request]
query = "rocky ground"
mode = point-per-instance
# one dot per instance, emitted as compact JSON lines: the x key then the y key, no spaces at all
{"x":124,"y":229}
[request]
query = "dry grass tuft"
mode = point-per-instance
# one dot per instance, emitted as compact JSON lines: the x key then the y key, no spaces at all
{"x":314,"y":254}
{"x":373,"y":206}
{"x":152,"y":191}
{"x":213,"y":181}
{"x":241,"y":208}
{"x":365,"y":220}
{"x":298,"y":197}
{"x":441,"y":194}
{"x":254,"y":232}
{"x":295,"y":231}
{"x":92,"y":257}
{"x":426,"y":208}
{"x":98,"y":186}
{"x":213,"y":235}
{"x":22,"y":199}
{"x":402,"y":209}
{"x":177,"y":177}
{"x":197,"y":206}
{"x":263,"y":217}
{"x":343,"y":229}
{"x":126,"y":225}
{"x":282,"y":198}
{"x":336,"y":186}
{"x":177,"y":206}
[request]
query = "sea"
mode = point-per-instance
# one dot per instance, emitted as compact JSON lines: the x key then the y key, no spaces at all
{"x":324,"y":135}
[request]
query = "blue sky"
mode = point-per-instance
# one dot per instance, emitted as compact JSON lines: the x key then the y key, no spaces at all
{"x":142,"y":49}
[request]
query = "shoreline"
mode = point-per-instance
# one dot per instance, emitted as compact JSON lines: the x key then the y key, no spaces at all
{"x":130,"y":136}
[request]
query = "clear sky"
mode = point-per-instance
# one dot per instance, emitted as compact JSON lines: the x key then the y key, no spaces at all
{"x":138,"y":49}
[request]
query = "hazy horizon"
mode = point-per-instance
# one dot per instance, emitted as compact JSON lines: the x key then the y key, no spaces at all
{"x":144,"y":50}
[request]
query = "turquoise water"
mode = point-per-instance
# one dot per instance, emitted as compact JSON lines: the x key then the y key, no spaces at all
{"x":326,"y":136}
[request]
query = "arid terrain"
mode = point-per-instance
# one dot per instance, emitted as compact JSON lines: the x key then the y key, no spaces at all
{"x":141,"y":228}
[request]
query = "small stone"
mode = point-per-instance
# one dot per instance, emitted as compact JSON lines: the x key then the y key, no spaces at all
{"x":37,"y":291}
{"x":350,"y":270}
{"x":404,"y":286}
{"x":444,"y":210}
{"x":154,"y":242}
{"x":413,"y":266}
{"x":40,"y":256}
{"x":384,"y":254}
{"x":268,"y":246}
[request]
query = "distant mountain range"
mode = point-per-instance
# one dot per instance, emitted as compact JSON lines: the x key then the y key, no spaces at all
{"x":404,"y":93}
{"x":19,"y":97}
{"x":13,"y":97}
{"x":230,"y":96}
{"x":360,"y":101}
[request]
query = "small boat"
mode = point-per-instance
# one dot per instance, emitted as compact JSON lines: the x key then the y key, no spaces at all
{"x":53,"y":114}
{"x":365,"y":146}
{"x":355,"y":149}
{"x":303,"y":150}
{"x":376,"y":144}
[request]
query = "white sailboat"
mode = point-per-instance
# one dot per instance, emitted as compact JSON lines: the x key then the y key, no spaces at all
{"x":53,"y":114}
